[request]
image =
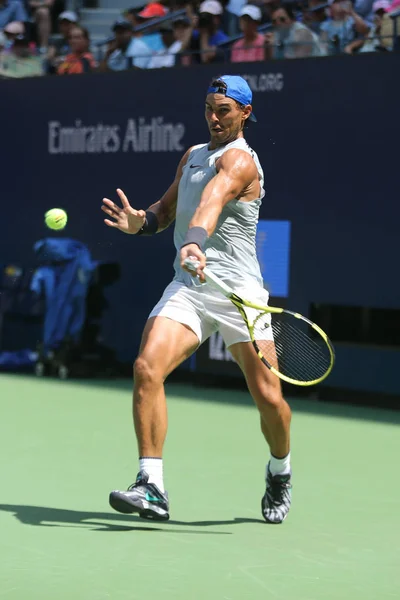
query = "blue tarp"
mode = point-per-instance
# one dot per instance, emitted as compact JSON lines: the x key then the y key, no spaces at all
{"x":17,"y":359}
{"x":63,"y":277}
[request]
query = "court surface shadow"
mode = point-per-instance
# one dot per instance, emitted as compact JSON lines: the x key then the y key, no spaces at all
{"x":46,"y":516}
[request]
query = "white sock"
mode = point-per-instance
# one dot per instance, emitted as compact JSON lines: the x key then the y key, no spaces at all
{"x":279,"y":466}
{"x":154,"y":469}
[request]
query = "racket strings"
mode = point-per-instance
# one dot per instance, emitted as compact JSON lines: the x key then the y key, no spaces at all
{"x":297,"y":350}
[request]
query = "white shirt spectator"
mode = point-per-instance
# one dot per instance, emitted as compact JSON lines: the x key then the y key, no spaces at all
{"x":137,"y":54}
{"x":166,"y":57}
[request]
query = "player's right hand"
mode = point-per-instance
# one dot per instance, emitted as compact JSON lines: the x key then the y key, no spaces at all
{"x":126,"y":219}
{"x":195,"y":255}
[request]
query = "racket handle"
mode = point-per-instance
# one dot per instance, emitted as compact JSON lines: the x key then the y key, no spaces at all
{"x":211,"y":278}
{"x":191,"y":264}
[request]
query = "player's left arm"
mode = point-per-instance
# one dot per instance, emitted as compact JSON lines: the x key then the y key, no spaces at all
{"x":237,"y":177}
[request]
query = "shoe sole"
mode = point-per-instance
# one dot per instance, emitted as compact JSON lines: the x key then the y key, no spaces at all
{"x":145,"y":510}
{"x":266,"y":518}
{"x":273,"y":522}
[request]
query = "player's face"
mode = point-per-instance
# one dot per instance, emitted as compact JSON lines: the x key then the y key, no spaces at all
{"x":224,"y":118}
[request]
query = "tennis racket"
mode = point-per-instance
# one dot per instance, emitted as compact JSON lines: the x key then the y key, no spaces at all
{"x":294,"y":348}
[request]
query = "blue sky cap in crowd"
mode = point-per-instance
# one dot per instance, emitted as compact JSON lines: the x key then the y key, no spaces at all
{"x":237,"y":88}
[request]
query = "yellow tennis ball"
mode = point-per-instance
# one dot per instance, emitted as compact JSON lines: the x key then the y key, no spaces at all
{"x":56,"y":218}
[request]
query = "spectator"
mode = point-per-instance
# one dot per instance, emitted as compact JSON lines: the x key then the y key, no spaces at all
{"x":131,"y":16}
{"x":208,"y":33}
{"x":20,"y":62}
{"x":151,"y":37}
{"x":12,"y":10}
{"x":174,"y":5}
{"x":182,"y":29}
{"x":11,"y":31}
{"x":342,"y":27}
{"x":251,"y":47}
{"x":231,"y":16}
{"x":315,"y":14}
{"x":364,"y":9}
{"x":59,"y":49}
{"x":376,"y":40}
{"x":40,"y":11}
{"x":126,"y":51}
{"x":267,"y":8}
{"x":166,"y":57}
{"x":80,"y":60}
{"x":290,"y":39}
{"x":183,"y":33}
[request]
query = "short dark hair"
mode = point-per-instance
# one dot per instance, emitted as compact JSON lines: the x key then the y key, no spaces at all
{"x":288,"y":8}
{"x":85,"y":31}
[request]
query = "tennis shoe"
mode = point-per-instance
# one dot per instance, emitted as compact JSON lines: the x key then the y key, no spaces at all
{"x":276,"y":501}
{"x":142,"y":497}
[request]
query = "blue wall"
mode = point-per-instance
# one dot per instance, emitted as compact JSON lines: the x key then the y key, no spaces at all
{"x":327,"y":137}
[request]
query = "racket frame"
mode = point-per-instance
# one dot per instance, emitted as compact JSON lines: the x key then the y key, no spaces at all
{"x":240,"y":302}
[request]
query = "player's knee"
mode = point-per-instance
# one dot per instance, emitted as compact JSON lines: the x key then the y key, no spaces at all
{"x":143,"y":371}
{"x":269,"y":397}
{"x":275,"y":399}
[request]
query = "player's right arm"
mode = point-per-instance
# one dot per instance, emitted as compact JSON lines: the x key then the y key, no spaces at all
{"x":129,"y":220}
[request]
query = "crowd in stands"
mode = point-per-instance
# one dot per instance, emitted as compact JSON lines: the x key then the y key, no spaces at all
{"x":38,"y":37}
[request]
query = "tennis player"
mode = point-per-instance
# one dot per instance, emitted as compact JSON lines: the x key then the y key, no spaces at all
{"x":214,"y":201}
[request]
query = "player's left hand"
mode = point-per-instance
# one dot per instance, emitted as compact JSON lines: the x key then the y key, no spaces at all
{"x":193,"y":252}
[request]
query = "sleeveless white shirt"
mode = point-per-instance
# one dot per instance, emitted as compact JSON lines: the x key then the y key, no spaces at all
{"x":231,"y":249}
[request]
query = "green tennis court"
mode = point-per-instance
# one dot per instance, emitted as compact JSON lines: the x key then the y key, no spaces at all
{"x":65,"y":445}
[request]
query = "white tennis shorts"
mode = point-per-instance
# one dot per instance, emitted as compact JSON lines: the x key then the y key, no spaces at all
{"x":206,"y":311}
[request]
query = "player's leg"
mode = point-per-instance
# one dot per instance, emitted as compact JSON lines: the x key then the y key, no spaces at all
{"x":172,"y":333}
{"x":165,"y":345}
{"x":275,"y":415}
{"x":263,"y":385}
{"x":265,"y":388}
